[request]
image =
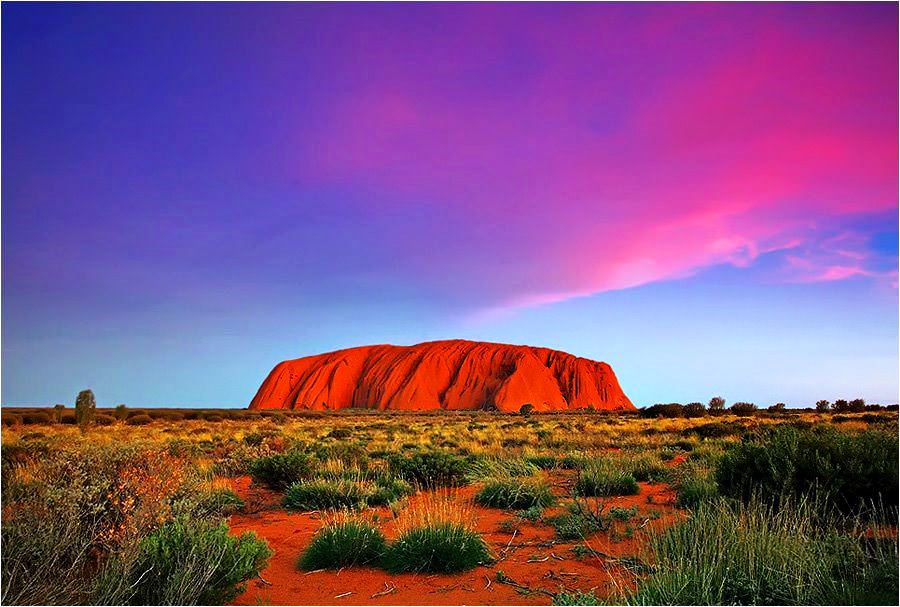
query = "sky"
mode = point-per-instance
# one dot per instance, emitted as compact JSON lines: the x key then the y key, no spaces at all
{"x":703,"y":196}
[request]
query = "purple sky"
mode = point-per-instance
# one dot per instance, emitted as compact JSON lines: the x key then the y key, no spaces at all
{"x":704,"y":196}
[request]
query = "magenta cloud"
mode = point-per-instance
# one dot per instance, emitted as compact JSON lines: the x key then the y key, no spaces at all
{"x":697,"y":142}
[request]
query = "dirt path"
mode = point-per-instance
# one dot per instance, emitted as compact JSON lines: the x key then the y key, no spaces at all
{"x":528,"y":554}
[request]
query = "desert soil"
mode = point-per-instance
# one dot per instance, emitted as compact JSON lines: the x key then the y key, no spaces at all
{"x":534,"y":563}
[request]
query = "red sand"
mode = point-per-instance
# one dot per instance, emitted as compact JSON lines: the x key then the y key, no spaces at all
{"x":454,"y":374}
{"x":532,"y":557}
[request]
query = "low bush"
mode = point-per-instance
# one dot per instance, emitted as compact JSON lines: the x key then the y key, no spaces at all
{"x":280,"y":471}
{"x":515,"y":493}
{"x":194,"y":564}
{"x":663,"y":410}
{"x":138,"y":420}
{"x":580,"y":520}
{"x":37,"y":417}
{"x":104,"y":420}
{"x":852,"y":472}
{"x":344,"y":542}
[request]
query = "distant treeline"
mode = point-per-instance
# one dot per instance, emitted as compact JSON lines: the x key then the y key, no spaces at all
{"x":717,"y":406}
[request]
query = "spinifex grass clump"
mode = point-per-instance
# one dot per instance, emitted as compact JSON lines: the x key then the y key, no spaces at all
{"x":279,"y":471}
{"x":603,"y":478}
{"x":848,"y":471}
{"x":343,"y":542}
{"x":515,"y":493}
{"x":388,"y":490}
{"x":645,"y":467}
{"x":436,"y":535}
{"x":730,"y":553}
{"x":431,"y":468}
{"x":324,"y":494}
{"x":491,"y":467}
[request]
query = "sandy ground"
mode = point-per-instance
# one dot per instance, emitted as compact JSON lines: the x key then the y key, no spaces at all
{"x":535,"y":563}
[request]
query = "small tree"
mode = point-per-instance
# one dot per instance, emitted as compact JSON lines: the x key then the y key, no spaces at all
{"x":823,"y":406}
{"x":778,"y":408}
{"x":121,"y":412}
{"x":57,"y":413}
{"x":841,"y":406}
{"x":526,"y":409}
{"x":857,"y":405}
{"x":716,"y":405}
{"x":85,"y":408}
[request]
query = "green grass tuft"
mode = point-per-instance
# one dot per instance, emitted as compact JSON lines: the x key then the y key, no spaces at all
{"x":599,"y":479}
{"x":437,"y":548}
{"x":323,"y":494}
{"x":515,"y":493}
{"x":344,"y":543}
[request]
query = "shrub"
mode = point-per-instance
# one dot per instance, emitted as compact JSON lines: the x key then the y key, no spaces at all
{"x":743,"y":409}
{"x":72,"y":509}
{"x":121,"y":412}
{"x":104,"y":420}
{"x":580,"y":520}
{"x":694,"y":410}
{"x":431,"y":468}
{"x":822,"y":406}
{"x":755,"y":555}
{"x":526,"y":409}
{"x":344,"y":542}
{"x":37,"y":417}
{"x":279,"y":471}
{"x":194,"y":564}
{"x":323,"y":494}
{"x":11,"y":419}
{"x":715,"y":429}
{"x":663,"y":410}
{"x":515,"y":493}
{"x":139,"y":420}
{"x":851,"y":471}
{"x":601,"y":479}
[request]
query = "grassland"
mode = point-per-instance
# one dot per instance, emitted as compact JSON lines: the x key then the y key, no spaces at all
{"x":210,"y":507}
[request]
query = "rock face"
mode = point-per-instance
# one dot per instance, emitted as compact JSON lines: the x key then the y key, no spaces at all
{"x":453,"y":375}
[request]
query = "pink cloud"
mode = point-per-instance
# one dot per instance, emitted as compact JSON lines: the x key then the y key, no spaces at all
{"x":607,"y":167}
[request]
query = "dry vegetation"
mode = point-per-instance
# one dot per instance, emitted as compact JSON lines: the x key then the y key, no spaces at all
{"x":134,"y":508}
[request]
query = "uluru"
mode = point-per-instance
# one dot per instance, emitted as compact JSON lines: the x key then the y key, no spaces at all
{"x":450,"y":375}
